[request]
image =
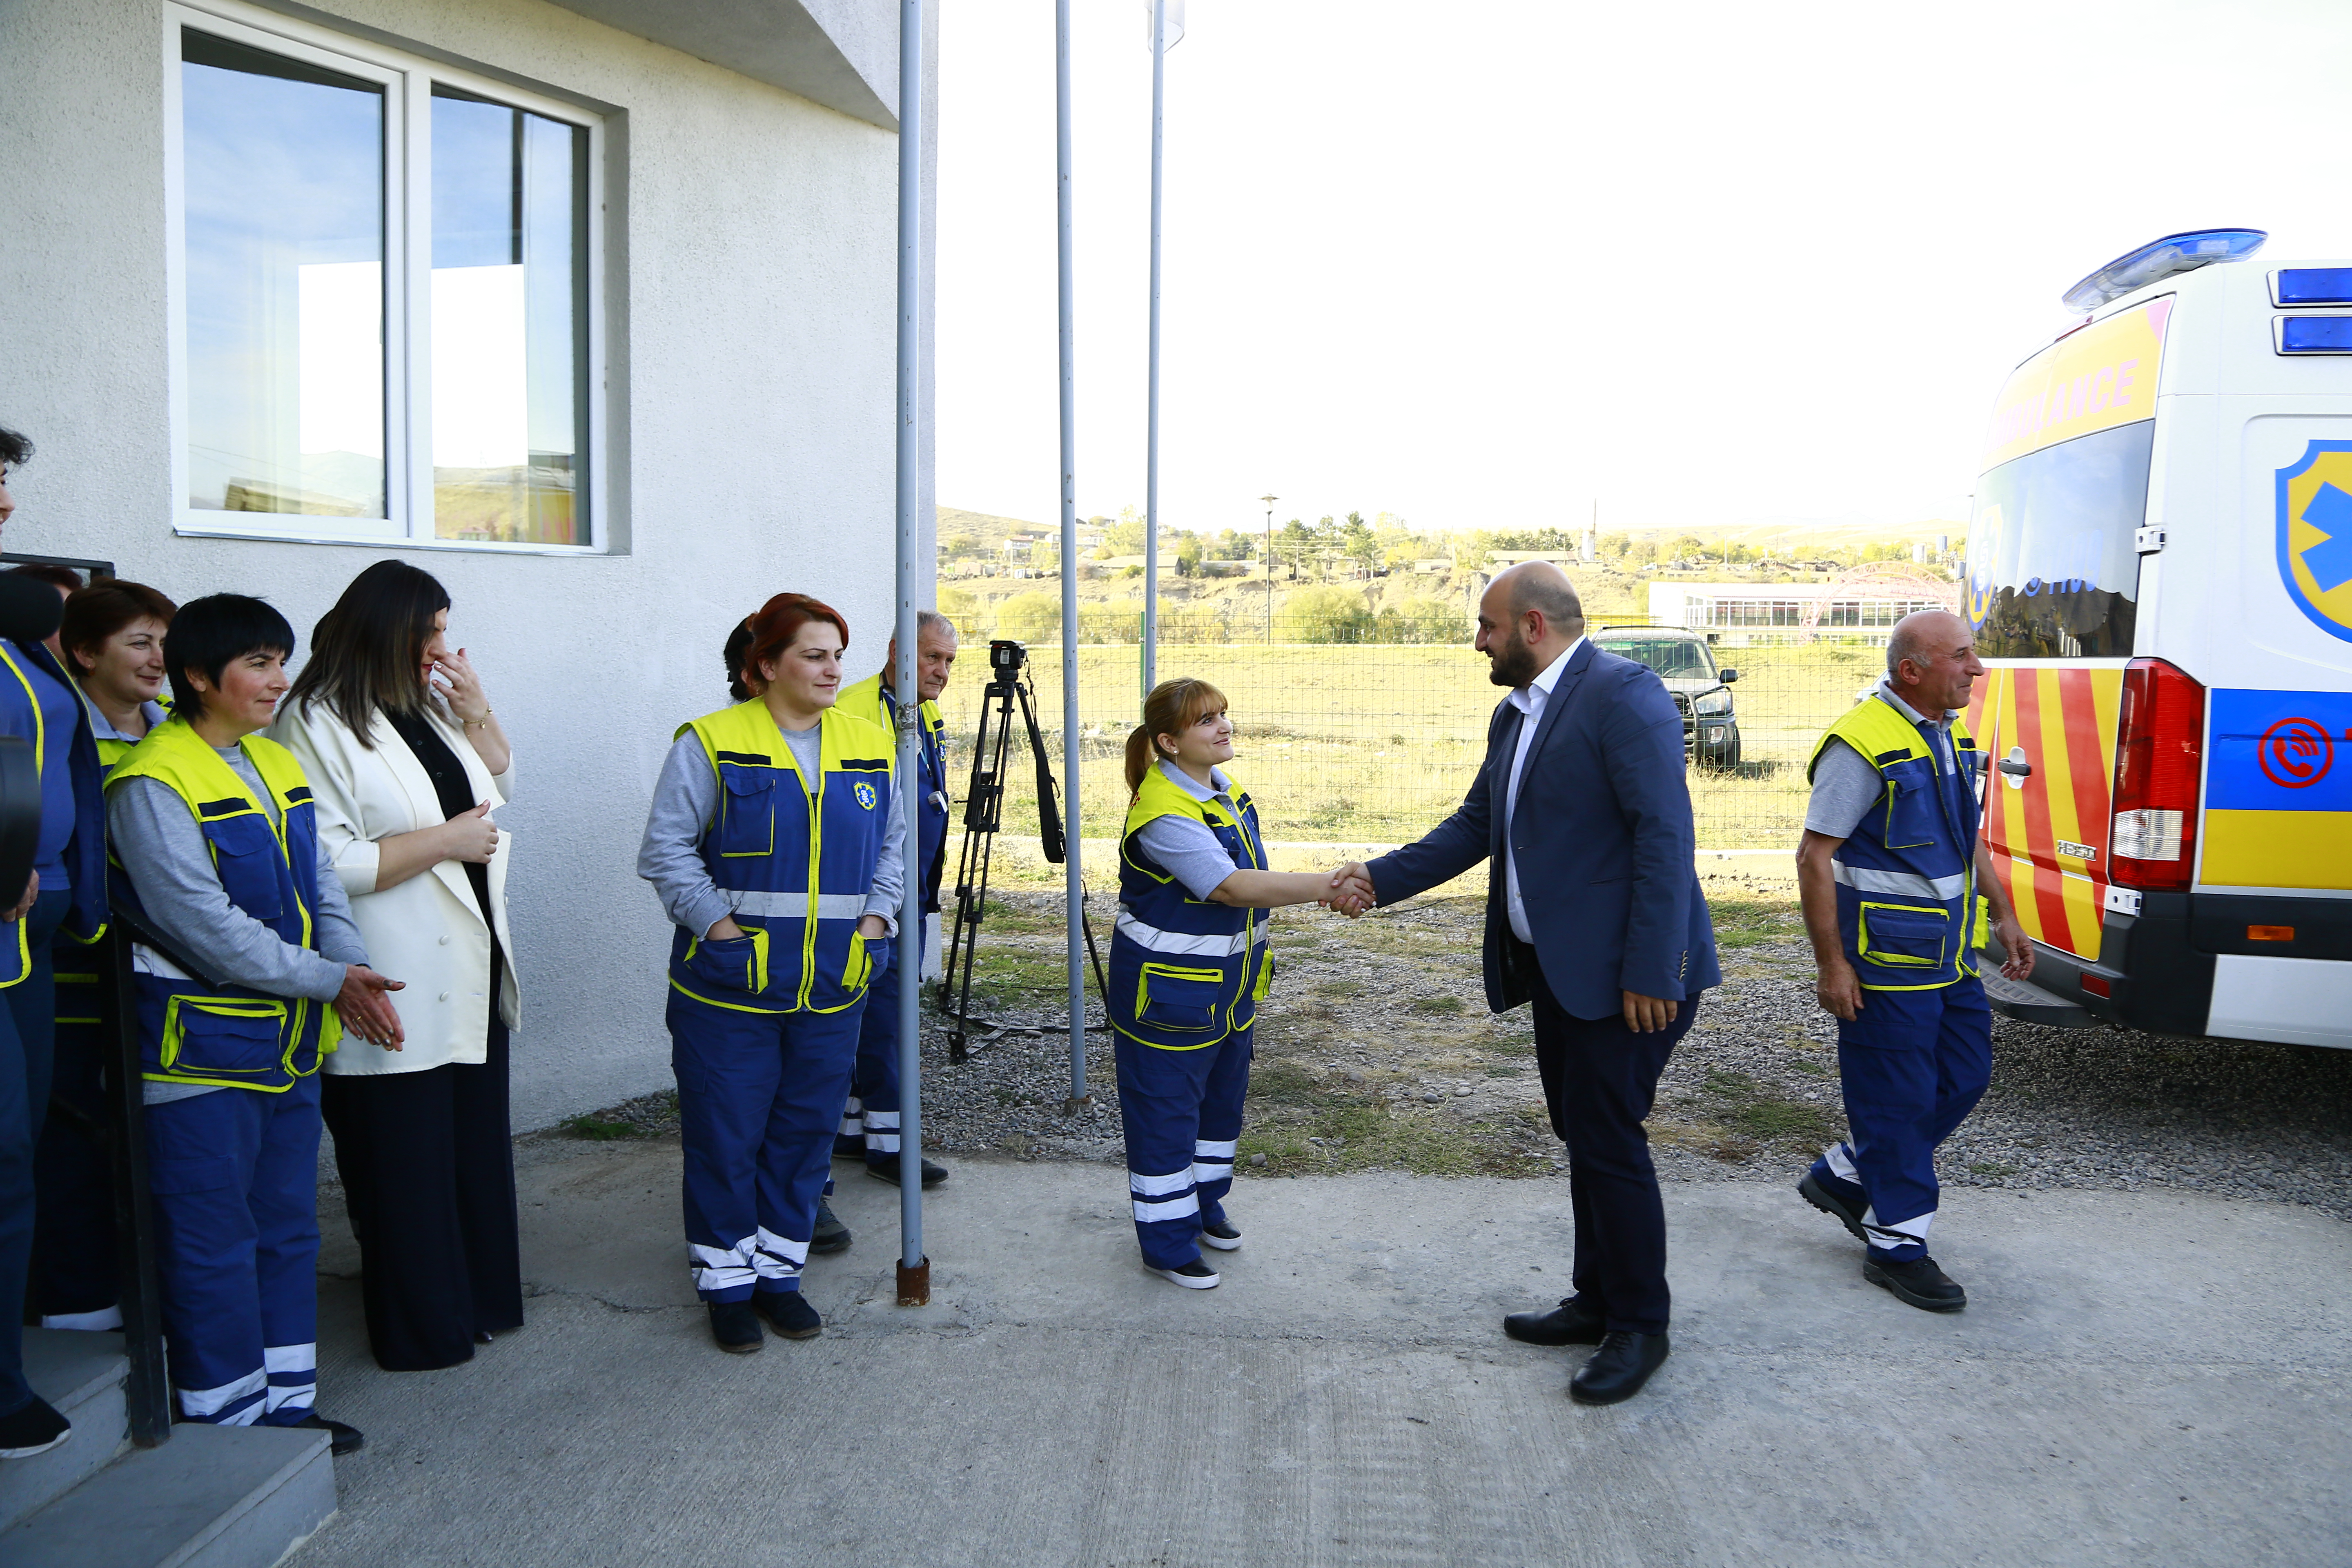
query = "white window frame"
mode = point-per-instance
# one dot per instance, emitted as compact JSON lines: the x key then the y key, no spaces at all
{"x":408,"y":285}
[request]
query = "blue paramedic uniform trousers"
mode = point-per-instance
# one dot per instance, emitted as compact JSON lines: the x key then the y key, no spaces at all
{"x":73,"y":1234}
{"x":1913,"y":1065}
{"x":235,"y":1175}
{"x":28,"y":1032}
{"x":872,"y":1112}
{"x":759,"y":1095}
{"x":1181,"y":1111}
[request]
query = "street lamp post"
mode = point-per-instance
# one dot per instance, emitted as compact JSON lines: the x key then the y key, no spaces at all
{"x":1270,"y":566}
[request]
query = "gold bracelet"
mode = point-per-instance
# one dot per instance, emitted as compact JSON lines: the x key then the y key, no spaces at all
{"x":488,"y":715}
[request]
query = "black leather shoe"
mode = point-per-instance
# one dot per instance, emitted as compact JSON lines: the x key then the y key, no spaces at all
{"x":1566,"y":1324}
{"x":846,"y":1147}
{"x":341,"y":1440}
{"x":35,"y":1429}
{"x":830,"y":1235}
{"x":736,"y":1327}
{"x":1830,"y":1204}
{"x":886,"y":1169}
{"x":789,"y":1312}
{"x":1919,"y":1282}
{"x":1618,"y":1368}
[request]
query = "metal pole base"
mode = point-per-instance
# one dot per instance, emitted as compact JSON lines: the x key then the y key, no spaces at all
{"x":1072,"y":1107}
{"x":915,"y":1284}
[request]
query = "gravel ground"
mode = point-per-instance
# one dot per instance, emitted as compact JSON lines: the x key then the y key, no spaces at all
{"x":1376,"y":1049}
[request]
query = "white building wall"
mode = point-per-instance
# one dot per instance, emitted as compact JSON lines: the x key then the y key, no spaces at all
{"x":752,"y":288}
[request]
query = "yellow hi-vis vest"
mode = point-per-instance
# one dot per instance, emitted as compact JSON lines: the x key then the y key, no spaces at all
{"x":1185,"y":972}
{"x":233,"y":1035}
{"x":1908,"y":911}
{"x":795,"y":858}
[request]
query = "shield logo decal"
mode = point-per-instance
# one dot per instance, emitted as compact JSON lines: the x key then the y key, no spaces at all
{"x":2315,"y":535}
{"x":864,"y":793}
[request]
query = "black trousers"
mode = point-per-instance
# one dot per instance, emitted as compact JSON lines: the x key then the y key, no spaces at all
{"x":1599,"y":1079}
{"x":427,"y":1163}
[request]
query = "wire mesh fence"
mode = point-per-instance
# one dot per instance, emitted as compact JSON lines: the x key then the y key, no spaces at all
{"x":1355,"y":741}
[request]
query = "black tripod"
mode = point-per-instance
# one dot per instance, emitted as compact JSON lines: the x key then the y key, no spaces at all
{"x":983,"y":813}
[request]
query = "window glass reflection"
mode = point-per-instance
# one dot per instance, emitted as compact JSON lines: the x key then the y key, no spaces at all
{"x":285,"y":283}
{"x":509,"y":323}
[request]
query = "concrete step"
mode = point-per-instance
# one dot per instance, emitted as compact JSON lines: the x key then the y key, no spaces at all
{"x":81,"y":1373}
{"x":213,"y":1497}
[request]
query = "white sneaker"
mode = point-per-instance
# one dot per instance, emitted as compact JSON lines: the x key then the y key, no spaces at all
{"x":1221,"y":1235}
{"x":1194,"y":1275}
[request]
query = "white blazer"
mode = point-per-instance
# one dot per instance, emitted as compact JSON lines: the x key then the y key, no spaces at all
{"x":427,"y":930}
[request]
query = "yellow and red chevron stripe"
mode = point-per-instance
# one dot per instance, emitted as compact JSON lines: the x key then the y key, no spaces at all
{"x":2049,"y":836}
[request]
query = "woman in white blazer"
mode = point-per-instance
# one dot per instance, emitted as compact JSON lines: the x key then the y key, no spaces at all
{"x":407,"y":762}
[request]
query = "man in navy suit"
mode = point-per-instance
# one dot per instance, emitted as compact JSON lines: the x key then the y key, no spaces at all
{"x":1593,"y":914}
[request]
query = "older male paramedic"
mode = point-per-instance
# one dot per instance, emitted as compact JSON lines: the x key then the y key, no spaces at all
{"x":1897,"y":891}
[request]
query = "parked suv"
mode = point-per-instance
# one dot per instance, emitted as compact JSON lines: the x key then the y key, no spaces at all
{"x":1703,"y":692}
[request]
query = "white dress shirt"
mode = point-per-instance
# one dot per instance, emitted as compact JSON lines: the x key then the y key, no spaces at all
{"x":1530,"y":701}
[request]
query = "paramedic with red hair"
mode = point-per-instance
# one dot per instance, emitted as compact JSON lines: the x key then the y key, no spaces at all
{"x":775,"y":842}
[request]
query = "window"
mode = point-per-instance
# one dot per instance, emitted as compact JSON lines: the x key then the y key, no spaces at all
{"x":384,"y":296}
{"x":2053,"y":569}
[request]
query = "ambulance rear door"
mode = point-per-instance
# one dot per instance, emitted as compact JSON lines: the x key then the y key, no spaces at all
{"x":2052,"y":599}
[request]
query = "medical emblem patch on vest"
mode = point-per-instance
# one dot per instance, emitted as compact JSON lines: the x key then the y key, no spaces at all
{"x":865,"y":793}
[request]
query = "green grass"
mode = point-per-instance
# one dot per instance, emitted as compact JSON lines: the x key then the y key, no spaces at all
{"x":1435,"y":1005}
{"x":1376,"y":744}
{"x":1742,"y":921}
{"x":1277,"y":1080}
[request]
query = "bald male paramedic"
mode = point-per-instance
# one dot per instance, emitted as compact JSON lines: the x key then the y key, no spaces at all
{"x":1897,"y":893}
{"x":870,"y":1123}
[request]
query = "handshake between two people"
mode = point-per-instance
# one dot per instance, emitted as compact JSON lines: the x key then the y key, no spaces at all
{"x":1349,"y":890}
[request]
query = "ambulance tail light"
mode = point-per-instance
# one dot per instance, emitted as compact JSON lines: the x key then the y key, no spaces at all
{"x":2159,"y":745}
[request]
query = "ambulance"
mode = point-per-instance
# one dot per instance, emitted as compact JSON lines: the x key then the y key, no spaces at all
{"x":2159,"y":579}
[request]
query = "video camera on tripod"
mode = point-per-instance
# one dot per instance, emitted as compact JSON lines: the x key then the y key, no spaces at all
{"x":1008,"y":686}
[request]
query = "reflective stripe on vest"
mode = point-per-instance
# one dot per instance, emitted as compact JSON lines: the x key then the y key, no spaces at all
{"x":1909,"y":913}
{"x":233,"y":1035}
{"x":795,"y":863}
{"x":1184,"y":971}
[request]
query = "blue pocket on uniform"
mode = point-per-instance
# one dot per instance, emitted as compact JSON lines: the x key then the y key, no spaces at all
{"x":731,"y":964}
{"x":1913,"y":813}
{"x":245,"y":854}
{"x":1903,"y":935}
{"x":223,"y":1036}
{"x":747,"y":812}
{"x":1179,"y":997}
{"x":194,"y":1173}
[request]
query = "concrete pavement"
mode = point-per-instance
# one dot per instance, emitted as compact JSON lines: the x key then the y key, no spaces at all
{"x":2140,"y":1378}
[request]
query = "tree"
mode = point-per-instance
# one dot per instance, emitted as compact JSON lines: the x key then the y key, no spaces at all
{"x":1188,"y":555}
{"x":1358,"y":544}
{"x":1328,"y":614}
{"x":1033,"y":617}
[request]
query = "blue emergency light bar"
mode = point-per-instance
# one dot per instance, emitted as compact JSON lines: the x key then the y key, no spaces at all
{"x":2312,"y":286}
{"x":2315,"y":334}
{"x":2162,"y":258}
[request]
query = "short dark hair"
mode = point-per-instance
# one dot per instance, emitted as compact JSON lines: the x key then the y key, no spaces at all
{"x":366,"y":654}
{"x":104,"y":608}
{"x":56,"y":576}
{"x":211,"y":633}
{"x":739,"y":643}
{"x":15,"y":450}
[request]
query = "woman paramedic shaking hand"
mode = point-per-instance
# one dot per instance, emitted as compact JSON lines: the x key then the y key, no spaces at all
{"x":1190,"y":961}
{"x":775,"y":842}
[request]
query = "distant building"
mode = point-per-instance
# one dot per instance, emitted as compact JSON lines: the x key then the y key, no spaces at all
{"x":1741,"y":612}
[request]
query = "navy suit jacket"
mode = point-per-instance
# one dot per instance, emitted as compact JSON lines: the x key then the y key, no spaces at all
{"x":1603,"y":842}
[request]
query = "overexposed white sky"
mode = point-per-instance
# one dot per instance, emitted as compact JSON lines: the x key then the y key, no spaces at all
{"x":1479,"y":264}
